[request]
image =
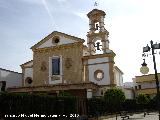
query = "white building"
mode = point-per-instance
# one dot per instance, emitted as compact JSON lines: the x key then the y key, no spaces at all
{"x":10,"y":78}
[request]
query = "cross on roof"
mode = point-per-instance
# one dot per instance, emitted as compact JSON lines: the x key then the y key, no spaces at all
{"x":95,"y":3}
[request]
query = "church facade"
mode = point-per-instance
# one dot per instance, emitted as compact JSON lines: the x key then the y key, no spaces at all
{"x":62,"y":62}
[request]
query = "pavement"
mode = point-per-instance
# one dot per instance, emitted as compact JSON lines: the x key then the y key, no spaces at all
{"x":139,"y":116}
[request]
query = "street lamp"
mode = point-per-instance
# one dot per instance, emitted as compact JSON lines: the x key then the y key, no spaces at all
{"x":145,"y":71}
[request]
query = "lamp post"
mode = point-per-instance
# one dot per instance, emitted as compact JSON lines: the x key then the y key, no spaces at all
{"x":147,"y":49}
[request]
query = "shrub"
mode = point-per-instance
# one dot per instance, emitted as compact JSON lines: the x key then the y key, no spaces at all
{"x":114,"y":98}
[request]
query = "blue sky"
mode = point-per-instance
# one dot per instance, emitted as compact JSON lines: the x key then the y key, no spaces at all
{"x":131,"y":23}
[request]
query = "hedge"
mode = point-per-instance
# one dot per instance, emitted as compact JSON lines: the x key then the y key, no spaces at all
{"x":36,"y":104}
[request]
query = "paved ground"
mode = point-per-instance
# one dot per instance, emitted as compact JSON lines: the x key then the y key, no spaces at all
{"x":140,"y":116}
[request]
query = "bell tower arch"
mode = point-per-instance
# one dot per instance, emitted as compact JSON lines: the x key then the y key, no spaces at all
{"x":97,"y":32}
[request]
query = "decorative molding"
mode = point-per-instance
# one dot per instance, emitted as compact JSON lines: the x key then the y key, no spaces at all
{"x":23,"y":65}
{"x":55,"y":40}
{"x":147,"y":91}
{"x":28,"y":81}
{"x":96,"y":75}
{"x":111,"y":55}
{"x":68,"y":62}
{"x":47,"y":49}
{"x":56,"y":33}
{"x":49,"y":88}
{"x":55,"y":77}
{"x":100,"y":63}
{"x":43,"y":66}
{"x":111,"y":74}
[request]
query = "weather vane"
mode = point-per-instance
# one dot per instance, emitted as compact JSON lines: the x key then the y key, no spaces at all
{"x":95,"y":3}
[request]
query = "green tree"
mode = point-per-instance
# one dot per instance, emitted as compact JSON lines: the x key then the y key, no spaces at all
{"x":114,"y":98}
{"x":65,"y":94}
{"x":143,"y":100}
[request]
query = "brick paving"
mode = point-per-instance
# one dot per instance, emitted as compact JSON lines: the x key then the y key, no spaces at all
{"x":140,"y":116}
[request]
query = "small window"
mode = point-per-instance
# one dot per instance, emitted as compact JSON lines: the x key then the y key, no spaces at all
{"x":2,"y":85}
{"x":136,"y":87}
{"x":56,"y":66}
{"x":29,"y":80}
{"x":101,"y":92}
{"x":139,"y":86}
{"x":55,"y":40}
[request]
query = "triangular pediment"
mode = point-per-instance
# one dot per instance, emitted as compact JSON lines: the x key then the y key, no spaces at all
{"x":56,"y":38}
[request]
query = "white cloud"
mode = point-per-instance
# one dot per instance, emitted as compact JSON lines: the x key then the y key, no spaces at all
{"x":44,"y":2}
{"x":62,"y":0}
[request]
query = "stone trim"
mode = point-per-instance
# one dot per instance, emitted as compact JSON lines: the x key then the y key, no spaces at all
{"x":100,"y":56}
{"x":95,"y":74}
{"x":48,"y":88}
{"x":96,"y":11}
{"x":56,"y":33}
{"x":28,"y":66}
{"x":111,"y":73}
{"x":146,"y":78}
{"x":23,"y":82}
{"x":99,"y":63}
{"x":47,"y":49}
{"x":50,"y":70}
{"x":26,"y":63}
{"x":147,"y":91}
{"x":118,"y":69}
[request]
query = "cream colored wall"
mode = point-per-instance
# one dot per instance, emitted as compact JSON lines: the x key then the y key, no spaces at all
{"x":151,"y":91}
{"x":70,"y":75}
{"x":147,"y":83}
{"x":146,"y":78}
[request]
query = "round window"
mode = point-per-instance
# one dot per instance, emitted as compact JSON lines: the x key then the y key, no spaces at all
{"x":55,"y":40}
{"x":98,"y":74}
{"x":28,"y":80}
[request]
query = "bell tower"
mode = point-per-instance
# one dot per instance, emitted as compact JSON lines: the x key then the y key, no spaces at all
{"x":98,"y":66}
{"x":97,"y":32}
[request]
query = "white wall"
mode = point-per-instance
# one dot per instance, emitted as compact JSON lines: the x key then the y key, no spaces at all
{"x":28,"y":72}
{"x":12,"y":78}
{"x":89,"y":93}
{"x":118,"y":76}
{"x":104,"y":67}
{"x":62,"y":41}
{"x":128,"y":93}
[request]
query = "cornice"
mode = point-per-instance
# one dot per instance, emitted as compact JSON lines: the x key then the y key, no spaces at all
{"x":63,"y":86}
{"x":56,"y":33}
{"x":112,"y":55}
{"x":58,"y":47}
{"x":96,"y":11}
{"x":98,"y":34}
{"x":22,"y":65}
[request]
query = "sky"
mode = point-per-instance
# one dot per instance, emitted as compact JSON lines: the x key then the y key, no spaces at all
{"x":131,"y":25}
